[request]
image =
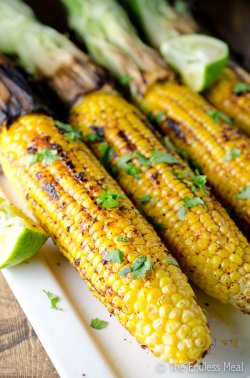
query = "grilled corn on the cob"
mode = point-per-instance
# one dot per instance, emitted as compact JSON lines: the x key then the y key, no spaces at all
{"x":160,"y":22}
{"x":66,"y":188}
{"x":190,"y":121}
{"x":226,"y":95}
{"x":206,"y":242}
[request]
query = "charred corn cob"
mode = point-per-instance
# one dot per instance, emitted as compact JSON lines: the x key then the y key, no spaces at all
{"x":160,"y":21}
{"x":207,"y":134}
{"x":206,"y":242}
{"x":115,"y":116}
{"x":87,"y":214}
{"x":231,"y":94}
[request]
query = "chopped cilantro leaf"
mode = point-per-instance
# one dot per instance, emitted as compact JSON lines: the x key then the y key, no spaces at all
{"x":122,"y":239}
{"x":188,"y":203}
{"x":142,"y":159}
{"x":126,"y":79}
{"x":163,"y":157}
{"x":241,"y":88}
{"x":109,"y":200}
{"x":124,"y":271}
{"x":98,"y":324}
{"x":233,"y":153}
{"x":158,"y":226}
{"x":130,"y":168}
{"x":46,"y":156}
{"x":177,"y":174}
{"x":245,"y":193}
{"x":115,"y":256}
{"x":54,"y":299}
{"x":181,"y":151}
{"x":141,"y":265}
{"x":72,"y":133}
{"x":93,"y":137}
{"x":198,"y":180}
{"x":147,"y":198}
{"x":107,"y":153}
{"x":160,"y":116}
{"x":219,"y":116}
{"x":172,"y":261}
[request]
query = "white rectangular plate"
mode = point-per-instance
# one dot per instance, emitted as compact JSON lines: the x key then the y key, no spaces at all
{"x":77,"y":350}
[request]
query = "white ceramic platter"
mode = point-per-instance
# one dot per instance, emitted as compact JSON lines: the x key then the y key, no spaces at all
{"x":77,"y":350}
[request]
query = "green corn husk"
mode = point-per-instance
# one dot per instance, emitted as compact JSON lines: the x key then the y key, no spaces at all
{"x":116,"y":45}
{"x":160,"y":21}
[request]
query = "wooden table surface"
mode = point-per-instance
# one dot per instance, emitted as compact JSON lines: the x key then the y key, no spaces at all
{"x":21,"y":353}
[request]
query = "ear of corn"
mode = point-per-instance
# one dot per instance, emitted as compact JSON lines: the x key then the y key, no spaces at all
{"x":207,"y":244}
{"x":224,"y":96}
{"x":159,"y":309}
{"x":210,"y":140}
{"x":160,"y":21}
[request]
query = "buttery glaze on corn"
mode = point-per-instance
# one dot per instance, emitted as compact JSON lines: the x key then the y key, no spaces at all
{"x":189,"y":126}
{"x":160,"y":310}
{"x":222,"y":96}
{"x":208,"y":245}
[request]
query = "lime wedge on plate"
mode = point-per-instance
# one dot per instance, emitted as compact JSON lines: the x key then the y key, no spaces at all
{"x":199,"y":59}
{"x":20,"y":237}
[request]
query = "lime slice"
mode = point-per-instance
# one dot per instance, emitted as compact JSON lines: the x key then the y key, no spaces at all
{"x":20,"y":237}
{"x":198,"y":58}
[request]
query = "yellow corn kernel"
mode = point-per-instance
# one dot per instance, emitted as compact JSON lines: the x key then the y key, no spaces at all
{"x":204,"y":242}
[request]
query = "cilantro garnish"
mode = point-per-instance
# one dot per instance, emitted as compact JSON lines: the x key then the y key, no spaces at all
{"x":54,"y":299}
{"x":142,"y":159}
{"x":122,"y":239}
{"x":245,"y":193}
{"x":160,"y":116}
{"x":158,"y":226}
{"x":107,"y":153}
{"x":140,"y":266}
{"x":147,"y":198}
{"x":177,"y":174}
{"x":46,"y":156}
{"x":241,"y":88}
{"x":181,"y":151}
{"x":233,"y":153}
{"x":98,"y":324}
{"x":70,"y":132}
{"x":115,"y":256}
{"x":93,"y":137}
{"x":198,"y":180}
{"x":108,"y":200}
{"x":188,"y":203}
{"x":125,"y":80}
{"x":130,"y":168}
{"x":219,"y":116}
{"x":172,"y":261}
{"x":163,"y":157}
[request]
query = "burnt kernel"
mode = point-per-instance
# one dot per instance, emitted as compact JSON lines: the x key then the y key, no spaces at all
{"x":77,"y":262}
{"x":69,"y":164}
{"x":68,"y":228}
{"x":175,"y":127}
{"x":63,"y":154}
{"x":62,"y":205}
{"x":154,"y":177}
{"x":32,"y":150}
{"x":104,"y":262}
{"x":49,"y":188}
{"x":55,"y":146}
{"x":81,"y":177}
{"x":39,"y":175}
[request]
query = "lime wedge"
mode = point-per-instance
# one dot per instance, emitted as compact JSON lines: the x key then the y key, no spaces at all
{"x":20,"y":237}
{"x":199,"y":59}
